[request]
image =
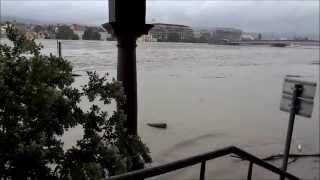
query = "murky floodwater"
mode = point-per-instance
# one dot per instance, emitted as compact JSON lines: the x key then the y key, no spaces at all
{"x":211,"y":97}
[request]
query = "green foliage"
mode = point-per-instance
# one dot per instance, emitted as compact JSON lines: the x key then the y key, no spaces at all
{"x":91,"y":34}
{"x":38,"y":105}
{"x":65,"y":32}
{"x":38,"y":28}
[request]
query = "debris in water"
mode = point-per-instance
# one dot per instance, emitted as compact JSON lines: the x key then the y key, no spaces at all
{"x":76,"y":75}
{"x":220,"y":77}
{"x":291,"y":75}
{"x":158,"y":125}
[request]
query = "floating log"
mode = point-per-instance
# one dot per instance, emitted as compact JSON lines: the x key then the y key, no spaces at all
{"x":76,"y":75}
{"x":279,"y":45}
{"x":289,"y":75}
{"x":219,"y":77}
{"x":158,"y":125}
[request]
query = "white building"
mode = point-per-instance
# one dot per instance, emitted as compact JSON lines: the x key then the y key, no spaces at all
{"x":163,"y":32}
{"x":147,"y":38}
{"x":104,"y":35}
{"x":247,"y":37}
{"x":3,"y":33}
{"x":79,"y":33}
{"x":78,"y":30}
{"x":225,"y":35}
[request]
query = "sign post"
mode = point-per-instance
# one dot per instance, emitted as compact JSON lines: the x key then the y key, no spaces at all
{"x":297,"y":99}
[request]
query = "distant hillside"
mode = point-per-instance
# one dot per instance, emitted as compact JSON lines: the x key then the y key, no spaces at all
{"x":23,"y":20}
{"x":273,"y":35}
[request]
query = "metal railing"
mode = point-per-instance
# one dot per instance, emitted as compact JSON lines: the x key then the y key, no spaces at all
{"x":202,"y":158}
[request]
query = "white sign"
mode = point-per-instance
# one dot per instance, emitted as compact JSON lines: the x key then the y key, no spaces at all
{"x":305,"y":99}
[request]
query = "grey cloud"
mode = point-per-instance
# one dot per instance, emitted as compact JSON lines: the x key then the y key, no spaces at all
{"x":300,"y":16}
{"x":256,"y":16}
{"x":83,"y":12}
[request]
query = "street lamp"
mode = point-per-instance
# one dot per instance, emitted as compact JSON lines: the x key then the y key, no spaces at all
{"x":127,"y":23}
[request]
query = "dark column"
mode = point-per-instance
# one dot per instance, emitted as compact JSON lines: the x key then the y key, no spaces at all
{"x":126,"y":69}
{"x":127,"y":74}
{"x":127,"y":23}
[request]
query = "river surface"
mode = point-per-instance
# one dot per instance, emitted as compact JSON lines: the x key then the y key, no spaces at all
{"x":211,"y":97}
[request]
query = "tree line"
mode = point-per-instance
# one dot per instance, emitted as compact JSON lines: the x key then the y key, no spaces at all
{"x":65,"y":32}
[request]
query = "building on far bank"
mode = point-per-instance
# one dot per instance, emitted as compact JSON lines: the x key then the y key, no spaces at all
{"x":225,"y":35}
{"x":104,"y":35}
{"x":147,"y":38}
{"x":202,"y":35}
{"x":78,"y":30}
{"x":171,"y":32}
{"x":3,"y":33}
{"x":247,"y":37}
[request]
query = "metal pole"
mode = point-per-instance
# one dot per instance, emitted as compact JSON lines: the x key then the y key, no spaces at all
{"x":250,"y":171}
{"x":59,"y":48}
{"x":294,"y":107}
{"x":203,"y":170}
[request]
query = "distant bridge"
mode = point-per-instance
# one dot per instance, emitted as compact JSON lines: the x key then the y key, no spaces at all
{"x":275,"y":43}
{"x":279,"y":43}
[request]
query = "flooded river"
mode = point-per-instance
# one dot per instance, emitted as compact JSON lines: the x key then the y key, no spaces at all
{"x":211,"y":97}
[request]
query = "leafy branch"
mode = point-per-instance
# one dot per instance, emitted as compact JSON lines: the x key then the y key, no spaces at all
{"x":38,"y":105}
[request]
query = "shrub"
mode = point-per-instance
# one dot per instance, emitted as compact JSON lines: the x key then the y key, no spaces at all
{"x":38,"y":105}
{"x":65,"y":32}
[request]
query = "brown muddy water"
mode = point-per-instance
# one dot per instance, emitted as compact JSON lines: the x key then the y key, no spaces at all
{"x":211,"y":97}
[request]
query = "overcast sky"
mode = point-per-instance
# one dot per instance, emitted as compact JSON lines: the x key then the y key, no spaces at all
{"x":251,"y":16}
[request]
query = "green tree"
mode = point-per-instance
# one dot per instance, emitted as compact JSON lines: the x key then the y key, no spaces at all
{"x":38,"y":105}
{"x":91,"y":33}
{"x":75,"y":37}
{"x":38,"y":28}
{"x":65,"y":32}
